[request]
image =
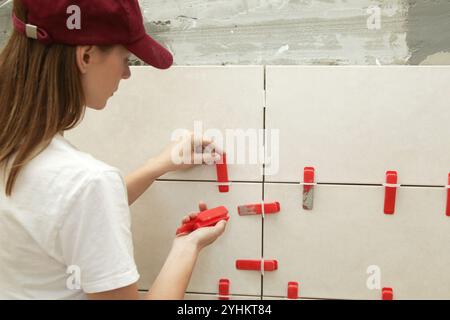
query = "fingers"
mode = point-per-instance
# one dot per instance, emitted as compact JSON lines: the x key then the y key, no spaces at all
{"x":189,"y":217}
{"x":219,"y":228}
{"x":202,"y":206}
{"x":193,"y":215}
{"x":221,"y":225}
{"x":210,"y":150}
{"x":203,"y":142}
{"x":211,"y":158}
{"x":185,"y":220}
{"x":211,"y":146}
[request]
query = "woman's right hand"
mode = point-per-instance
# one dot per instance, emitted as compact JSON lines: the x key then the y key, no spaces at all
{"x":201,"y":237}
{"x":200,"y":151}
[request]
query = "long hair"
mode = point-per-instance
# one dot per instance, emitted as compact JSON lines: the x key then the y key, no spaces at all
{"x":40,"y":95}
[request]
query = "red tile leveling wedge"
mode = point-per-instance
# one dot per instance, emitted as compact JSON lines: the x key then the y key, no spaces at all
{"x":205,"y":218}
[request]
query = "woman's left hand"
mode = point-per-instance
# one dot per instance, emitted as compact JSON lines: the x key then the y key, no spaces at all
{"x":201,"y":237}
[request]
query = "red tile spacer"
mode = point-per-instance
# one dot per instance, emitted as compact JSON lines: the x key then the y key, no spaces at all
{"x":390,"y":192}
{"x":251,"y":209}
{"x":448,"y":197}
{"x":387,"y":294}
{"x":224,"y":289}
{"x":292,"y":291}
{"x":205,"y":218}
{"x":308,"y":190}
{"x":222,"y":173}
{"x":269,"y":265}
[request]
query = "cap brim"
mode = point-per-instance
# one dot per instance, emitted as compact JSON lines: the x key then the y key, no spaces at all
{"x":151,"y":52}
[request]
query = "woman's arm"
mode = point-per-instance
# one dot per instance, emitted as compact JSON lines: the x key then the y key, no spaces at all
{"x":171,"y":282}
{"x":140,"y":180}
{"x":174,"y":276}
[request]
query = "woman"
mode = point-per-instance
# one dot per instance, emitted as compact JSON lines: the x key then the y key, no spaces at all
{"x":64,"y":214}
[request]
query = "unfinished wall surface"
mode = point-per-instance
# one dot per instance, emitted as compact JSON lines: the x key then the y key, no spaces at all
{"x":428,"y":34}
{"x":330,"y":32}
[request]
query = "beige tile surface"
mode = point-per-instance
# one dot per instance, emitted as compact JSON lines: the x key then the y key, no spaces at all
{"x":328,"y":250}
{"x":157,"y":214}
{"x":354,"y":123}
{"x":139,"y":120}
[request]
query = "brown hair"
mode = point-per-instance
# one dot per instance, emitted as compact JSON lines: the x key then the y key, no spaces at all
{"x":40,"y":95}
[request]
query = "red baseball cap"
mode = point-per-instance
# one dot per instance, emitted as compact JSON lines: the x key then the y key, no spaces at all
{"x":92,"y":22}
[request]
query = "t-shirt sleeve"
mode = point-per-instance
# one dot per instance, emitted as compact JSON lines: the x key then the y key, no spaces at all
{"x":95,"y":235}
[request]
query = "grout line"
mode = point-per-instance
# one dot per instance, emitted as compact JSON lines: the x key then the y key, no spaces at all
{"x":205,"y":181}
{"x":419,"y":186}
{"x":263,"y":181}
{"x":355,"y":184}
{"x":216,"y":294}
{"x":213,"y":294}
{"x":329,"y":183}
{"x":263,"y":177}
{"x":249,"y":295}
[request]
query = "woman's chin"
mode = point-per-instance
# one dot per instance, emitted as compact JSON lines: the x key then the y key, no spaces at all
{"x":98,"y":106}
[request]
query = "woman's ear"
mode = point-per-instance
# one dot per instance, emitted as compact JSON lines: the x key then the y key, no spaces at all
{"x":83,"y":56}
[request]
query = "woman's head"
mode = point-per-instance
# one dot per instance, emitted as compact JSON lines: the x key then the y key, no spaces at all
{"x":101,"y":69}
{"x":46,"y":83}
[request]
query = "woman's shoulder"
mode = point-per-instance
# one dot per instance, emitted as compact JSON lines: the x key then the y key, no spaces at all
{"x":68,"y":156}
{"x":57,"y":176}
{"x":62,"y":164}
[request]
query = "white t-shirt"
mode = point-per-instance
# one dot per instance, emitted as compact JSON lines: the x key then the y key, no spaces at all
{"x":66,"y":223}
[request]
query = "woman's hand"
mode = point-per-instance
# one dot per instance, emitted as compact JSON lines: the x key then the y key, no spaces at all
{"x":201,"y":237}
{"x":176,"y":272}
{"x":188,"y":151}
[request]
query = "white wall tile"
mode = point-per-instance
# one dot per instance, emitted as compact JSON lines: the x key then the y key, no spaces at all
{"x":327,"y":250}
{"x":354,"y":123}
{"x":158,"y":213}
{"x":141,"y":117}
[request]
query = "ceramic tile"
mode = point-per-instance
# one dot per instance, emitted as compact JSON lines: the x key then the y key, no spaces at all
{"x":354,"y":123}
{"x":328,"y":250}
{"x":138,"y":122}
{"x":158,"y":213}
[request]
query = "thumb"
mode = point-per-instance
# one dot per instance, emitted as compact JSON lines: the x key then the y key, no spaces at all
{"x":210,"y":158}
{"x":219,"y":228}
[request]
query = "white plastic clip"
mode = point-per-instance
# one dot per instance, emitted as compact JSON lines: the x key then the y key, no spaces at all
{"x":262,"y":265}
{"x":223,"y":183}
{"x":263,"y":211}
{"x":391,"y":185}
{"x":308,"y":184}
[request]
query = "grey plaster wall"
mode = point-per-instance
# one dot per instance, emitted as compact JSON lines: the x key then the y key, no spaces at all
{"x":330,"y":32}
